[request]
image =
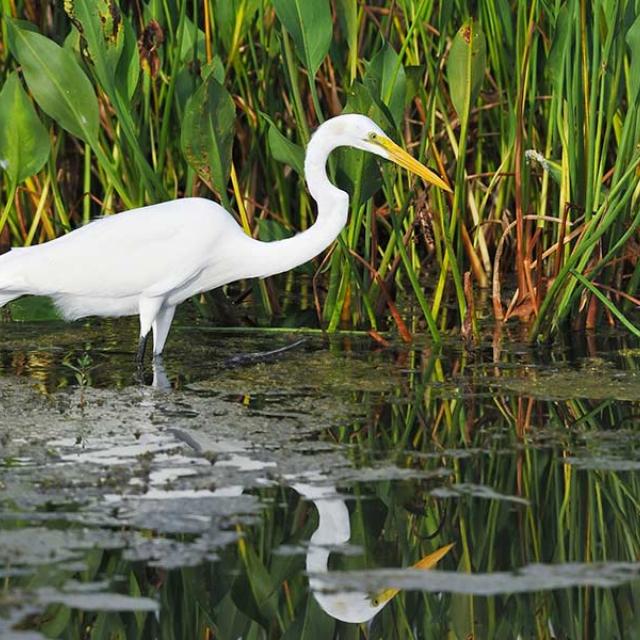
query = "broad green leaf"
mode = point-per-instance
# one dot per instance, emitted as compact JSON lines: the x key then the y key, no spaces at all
{"x":415,"y":81}
{"x":128,"y":71}
{"x":386,"y":80}
{"x":24,"y":141}
{"x":310,"y":26}
{"x":215,"y":69}
{"x":56,"y":81}
{"x":361,"y":100}
{"x":193,"y":46}
{"x":282,"y":149}
{"x":358,"y":172}
{"x":286,"y":151}
{"x":207,"y":132}
{"x":466,"y":67}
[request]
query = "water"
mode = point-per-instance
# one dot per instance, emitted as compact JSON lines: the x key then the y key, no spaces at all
{"x":281,"y":499}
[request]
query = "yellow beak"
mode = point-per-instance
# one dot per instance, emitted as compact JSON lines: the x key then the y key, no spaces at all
{"x":427,"y":562}
{"x":400,"y":156}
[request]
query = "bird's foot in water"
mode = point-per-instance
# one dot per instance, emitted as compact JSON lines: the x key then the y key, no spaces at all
{"x":244,"y":359}
{"x":160,"y":379}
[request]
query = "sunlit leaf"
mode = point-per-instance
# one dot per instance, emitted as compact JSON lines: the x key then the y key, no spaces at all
{"x":309,"y":24}
{"x":56,"y":81}
{"x":24,"y":141}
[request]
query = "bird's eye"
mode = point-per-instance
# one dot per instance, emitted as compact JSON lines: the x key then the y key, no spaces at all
{"x":373,"y":136}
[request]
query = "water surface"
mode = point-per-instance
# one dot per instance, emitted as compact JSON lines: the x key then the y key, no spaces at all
{"x":290,"y":498}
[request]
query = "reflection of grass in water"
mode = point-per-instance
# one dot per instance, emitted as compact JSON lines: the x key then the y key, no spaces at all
{"x":512,"y":444}
{"x":594,"y":384}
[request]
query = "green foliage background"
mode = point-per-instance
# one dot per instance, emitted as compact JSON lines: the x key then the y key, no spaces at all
{"x":106,"y":106}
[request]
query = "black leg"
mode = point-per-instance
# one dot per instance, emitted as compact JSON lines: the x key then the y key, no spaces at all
{"x":142,"y":347}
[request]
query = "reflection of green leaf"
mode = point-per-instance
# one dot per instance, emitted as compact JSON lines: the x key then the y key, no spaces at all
{"x":24,"y":142}
{"x":56,"y":621}
{"x":56,"y":81}
{"x":33,"y":308}
{"x":312,"y":623}
{"x":207,"y":132}
{"x":254,"y":592}
{"x":309,"y":24}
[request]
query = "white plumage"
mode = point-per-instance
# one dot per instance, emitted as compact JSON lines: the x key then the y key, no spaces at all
{"x":146,"y":261}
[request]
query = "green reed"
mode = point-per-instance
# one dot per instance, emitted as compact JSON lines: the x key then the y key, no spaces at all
{"x":530,"y":108}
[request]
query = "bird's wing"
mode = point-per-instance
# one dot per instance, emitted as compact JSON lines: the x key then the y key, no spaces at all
{"x":150,"y":250}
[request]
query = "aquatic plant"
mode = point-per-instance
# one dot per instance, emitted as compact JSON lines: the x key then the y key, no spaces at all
{"x":530,"y":108}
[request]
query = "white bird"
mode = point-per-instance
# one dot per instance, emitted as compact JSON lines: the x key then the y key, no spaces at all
{"x":146,"y":261}
{"x":334,"y":530}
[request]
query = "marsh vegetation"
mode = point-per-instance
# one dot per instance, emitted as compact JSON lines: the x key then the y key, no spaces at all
{"x":529,"y":108}
{"x":418,"y":406}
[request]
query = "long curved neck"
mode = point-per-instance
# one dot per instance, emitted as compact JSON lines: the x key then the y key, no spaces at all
{"x":333,"y":206}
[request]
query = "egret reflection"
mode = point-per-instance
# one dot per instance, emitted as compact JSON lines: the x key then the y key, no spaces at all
{"x":334,"y":528}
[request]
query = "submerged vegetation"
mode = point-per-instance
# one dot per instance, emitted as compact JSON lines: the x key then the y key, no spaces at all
{"x":531,"y":109}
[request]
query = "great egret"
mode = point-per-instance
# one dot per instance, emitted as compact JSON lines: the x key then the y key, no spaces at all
{"x":146,"y":261}
{"x":334,"y":529}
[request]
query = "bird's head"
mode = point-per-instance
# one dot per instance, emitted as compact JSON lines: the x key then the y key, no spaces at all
{"x":359,"y":131}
